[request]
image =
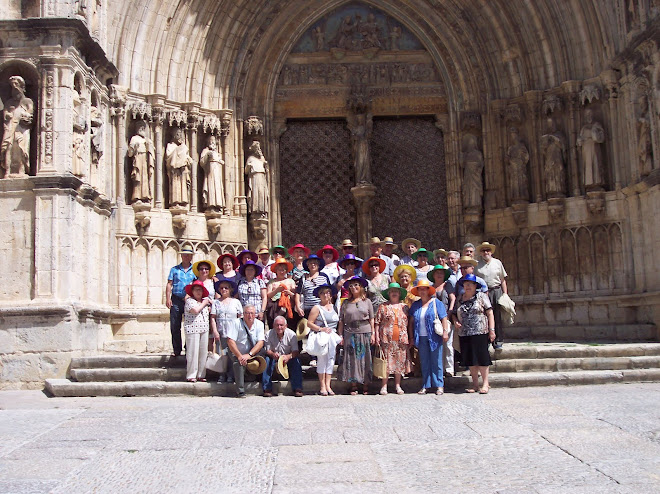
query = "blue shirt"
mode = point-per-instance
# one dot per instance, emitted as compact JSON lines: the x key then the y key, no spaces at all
{"x":180,"y":278}
{"x":415,"y":312}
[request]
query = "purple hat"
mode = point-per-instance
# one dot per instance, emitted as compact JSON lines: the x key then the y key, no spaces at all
{"x":314,"y":257}
{"x":250,"y":262}
{"x":253,"y":255}
{"x":359,"y":279}
{"x":351,"y":257}
{"x":333,"y":289}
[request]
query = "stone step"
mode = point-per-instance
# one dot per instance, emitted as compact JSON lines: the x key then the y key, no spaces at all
{"x":129,"y":374}
{"x":578,"y":333}
{"x":574,"y":364}
{"x":67,"y":388}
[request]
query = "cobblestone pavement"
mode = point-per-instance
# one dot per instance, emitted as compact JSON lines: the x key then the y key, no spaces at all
{"x":584,"y":439}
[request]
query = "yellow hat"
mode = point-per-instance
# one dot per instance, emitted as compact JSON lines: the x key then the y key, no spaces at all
{"x":196,"y":268}
{"x":282,"y":368}
{"x":404,"y":267}
{"x":256,"y":365}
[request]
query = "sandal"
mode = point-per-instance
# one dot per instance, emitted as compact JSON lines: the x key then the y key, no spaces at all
{"x":471,"y":390}
{"x":201,"y":380}
{"x":440,"y":391}
{"x":365,"y":389}
{"x":331,"y":392}
{"x":484,"y":390}
{"x":354,"y":391}
{"x":383,"y":391}
{"x":422,"y":391}
{"x":192,"y":380}
{"x":399,"y":390}
{"x":322,"y":393}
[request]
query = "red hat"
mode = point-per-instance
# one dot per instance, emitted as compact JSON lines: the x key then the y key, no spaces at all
{"x":234,"y":260}
{"x":189,"y":288}
{"x":300,"y":246}
{"x":335,"y":254}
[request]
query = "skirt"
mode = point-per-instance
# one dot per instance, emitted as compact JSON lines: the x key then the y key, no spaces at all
{"x":356,"y":367}
{"x":397,"y":357}
{"x":474,"y":350}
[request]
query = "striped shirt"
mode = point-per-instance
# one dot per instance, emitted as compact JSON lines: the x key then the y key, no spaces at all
{"x":249,"y":292}
{"x":306,"y":289}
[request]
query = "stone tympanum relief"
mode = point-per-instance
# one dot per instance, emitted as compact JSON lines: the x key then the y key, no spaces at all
{"x":517,"y":157}
{"x":213,"y":193}
{"x":141,"y":150}
{"x":17,"y":112}
{"x":592,"y":135}
{"x":179,"y":164}
{"x":256,"y":171}
{"x":553,"y":148}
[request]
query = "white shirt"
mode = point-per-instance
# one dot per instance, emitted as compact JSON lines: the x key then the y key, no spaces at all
{"x":492,"y":272}
{"x":238,"y":333}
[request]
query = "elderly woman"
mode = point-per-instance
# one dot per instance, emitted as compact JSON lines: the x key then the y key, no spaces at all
{"x":421,"y":330}
{"x":298,"y":253}
{"x":440,"y":257}
{"x":439,"y":276}
{"x":196,"y":327}
{"x":205,"y":271}
{"x":475,"y":324}
{"x":405,"y":275}
{"x":349,"y":264}
{"x":324,"y":318}
{"x":280,"y":287}
{"x":252,"y":288}
{"x":391,"y":324}
{"x":331,"y":269}
{"x":226,"y":314}
{"x":228,"y":264}
{"x":277,"y":252}
{"x":356,"y":327}
{"x":308,"y":283}
{"x":377,"y":281}
{"x":246,"y":254}
{"x":423,"y":266}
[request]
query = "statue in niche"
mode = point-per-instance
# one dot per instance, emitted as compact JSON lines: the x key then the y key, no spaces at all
{"x":256,"y":170}
{"x":17,"y":113}
{"x":319,"y":38}
{"x":644,"y":143}
{"x":517,"y":157}
{"x":473,"y":167}
{"x":213,"y":192}
{"x":591,"y":136}
{"x":361,"y":125}
{"x":395,"y":35}
{"x":96,"y":135}
{"x":78,"y":158}
{"x":178,"y":163}
{"x":141,"y":149}
{"x":370,"y":32}
{"x":553,"y":149}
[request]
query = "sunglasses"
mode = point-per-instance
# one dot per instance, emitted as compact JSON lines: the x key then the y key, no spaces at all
{"x":204,"y":269}
{"x":374,"y":266}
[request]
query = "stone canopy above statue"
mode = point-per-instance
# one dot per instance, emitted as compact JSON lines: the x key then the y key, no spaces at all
{"x":357,"y":45}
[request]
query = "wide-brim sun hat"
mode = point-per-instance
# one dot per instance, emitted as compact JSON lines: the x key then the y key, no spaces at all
{"x":314,"y":257}
{"x":440,"y":252}
{"x":407,"y":241}
{"x":189,"y":288}
{"x":277,"y":247}
{"x":404,"y":267}
{"x":282,"y":368}
{"x":211,"y":267}
{"x":402,"y":291}
{"x":234,"y":260}
{"x":335,"y":254}
{"x":250,"y":262}
{"x":232,"y":285}
{"x":381,"y":264}
{"x":186,"y":249}
{"x":467,"y":260}
{"x":376,"y":240}
{"x":253,"y":255}
{"x":256,"y":365}
{"x":422,"y":252}
{"x":281,"y":261}
{"x":300,"y":246}
{"x":467,"y":277}
{"x":359,"y":279}
{"x":422,"y":283}
{"x":439,"y":267}
{"x":486,"y":245}
{"x":302,"y":330}
{"x":388,"y":241}
{"x":347,"y":242}
{"x":317,"y":290}
{"x":263,"y":250}
{"x":349,"y":257}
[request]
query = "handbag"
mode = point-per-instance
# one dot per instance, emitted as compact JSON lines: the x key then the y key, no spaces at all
{"x":437,"y":323}
{"x":379,"y":364}
{"x":217,"y":363}
{"x":317,"y":342}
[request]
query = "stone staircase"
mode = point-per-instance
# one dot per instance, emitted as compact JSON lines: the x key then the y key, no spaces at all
{"x":516,"y":365}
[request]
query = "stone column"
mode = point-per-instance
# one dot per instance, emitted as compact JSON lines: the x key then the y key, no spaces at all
{"x":533,"y":99}
{"x":193,"y":125}
{"x":609,"y":79}
{"x":45,"y":161}
{"x":158,"y":116}
{"x":275,"y":234}
{"x":449,"y":136}
{"x":118,"y":112}
{"x":572,"y":88}
{"x":229,"y":156}
{"x":363,"y":196}
{"x":495,"y":186}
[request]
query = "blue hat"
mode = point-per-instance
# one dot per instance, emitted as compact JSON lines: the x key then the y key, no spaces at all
{"x":250,"y":262}
{"x":314,"y":257}
{"x":233,"y":285}
{"x":332,"y":288}
{"x":468,"y":277}
{"x":359,"y":279}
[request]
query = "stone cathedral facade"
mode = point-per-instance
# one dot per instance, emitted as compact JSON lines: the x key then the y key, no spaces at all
{"x":127,"y":127}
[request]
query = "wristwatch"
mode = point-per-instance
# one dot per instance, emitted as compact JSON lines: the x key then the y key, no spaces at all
{"x":250,"y":354}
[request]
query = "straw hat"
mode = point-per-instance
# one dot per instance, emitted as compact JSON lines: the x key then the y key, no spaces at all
{"x":302,"y":330}
{"x":263,"y":250}
{"x":438,"y":267}
{"x":407,"y":241}
{"x":347,"y":243}
{"x":422,"y":283}
{"x":281,"y":260}
{"x":465,"y":260}
{"x":486,"y":245}
{"x":335,"y":254}
{"x":211,"y":270}
{"x":388,"y":241}
{"x":189,"y":288}
{"x":376,"y":240}
{"x":440,"y":252}
{"x":381,"y":264}
{"x":404,"y":267}
{"x":256,"y":365}
{"x":186,"y":249}
{"x":234,"y":260}
{"x":421,"y":252}
{"x":402,"y":291}
{"x":282,"y":368}
{"x":300,"y":246}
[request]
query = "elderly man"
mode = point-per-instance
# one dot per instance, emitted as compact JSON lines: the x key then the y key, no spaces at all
{"x":409,"y":247}
{"x":244,"y":341}
{"x":388,"y":250}
{"x":468,"y":250}
{"x":376,"y":250}
{"x":282,"y":343}
{"x":180,"y":276}
{"x":467,"y":266}
{"x":440,"y":257}
{"x":452,"y":261}
{"x":265,"y":261}
{"x":493,"y":273}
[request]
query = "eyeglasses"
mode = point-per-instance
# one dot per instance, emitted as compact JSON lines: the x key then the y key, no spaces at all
{"x":374,"y":266}
{"x":204,"y":269}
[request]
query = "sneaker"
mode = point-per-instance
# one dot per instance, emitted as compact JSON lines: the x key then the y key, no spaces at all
{"x":230,"y":380}
{"x":222,"y":379}
{"x":241,"y":395}
{"x":497,"y":346}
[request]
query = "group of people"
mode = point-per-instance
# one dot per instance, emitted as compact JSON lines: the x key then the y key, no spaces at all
{"x":416,"y":313}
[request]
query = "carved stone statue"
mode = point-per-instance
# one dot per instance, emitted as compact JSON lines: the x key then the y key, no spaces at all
{"x":517,"y":157}
{"x":473,"y":167}
{"x":591,"y":136}
{"x":371,"y":33}
{"x":361,"y":125}
{"x":395,"y":35}
{"x":213,"y":192}
{"x":78,"y":158}
{"x":17,"y":116}
{"x":644,"y":144}
{"x":256,"y":170}
{"x":553,"y":149}
{"x":319,"y":38}
{"x":141,"y":149}
{"x":344,"y":37}
{"x":178,"y":163}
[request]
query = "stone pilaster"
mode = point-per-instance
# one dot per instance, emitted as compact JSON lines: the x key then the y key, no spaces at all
{"x":363,"y":196}
{"x":571,"y":89}
{"x":118,"y":113}
{"x":533,"y":99}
